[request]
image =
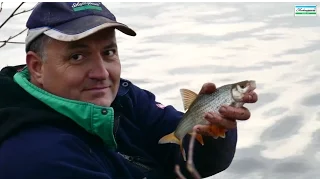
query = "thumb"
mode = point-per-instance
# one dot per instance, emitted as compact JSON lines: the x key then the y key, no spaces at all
{"x":208,"y":88}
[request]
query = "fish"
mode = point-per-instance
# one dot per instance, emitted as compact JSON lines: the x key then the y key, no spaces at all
{"x":196,"y":105}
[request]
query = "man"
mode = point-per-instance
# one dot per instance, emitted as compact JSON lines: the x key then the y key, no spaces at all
{"x":68,"y":114}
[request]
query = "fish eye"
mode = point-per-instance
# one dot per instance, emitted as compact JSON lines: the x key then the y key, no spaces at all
{"x":242,"y":86}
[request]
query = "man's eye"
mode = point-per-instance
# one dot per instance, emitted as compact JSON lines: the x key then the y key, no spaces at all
{"x":109,"y":52}
{"x":76,"y":57}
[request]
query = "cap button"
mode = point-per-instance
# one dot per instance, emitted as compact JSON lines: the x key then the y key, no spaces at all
{"x":104,"y":111}
{"x":125,"y":84}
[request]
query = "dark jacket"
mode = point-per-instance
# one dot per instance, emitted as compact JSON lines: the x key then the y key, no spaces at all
{"x":38,"y":142}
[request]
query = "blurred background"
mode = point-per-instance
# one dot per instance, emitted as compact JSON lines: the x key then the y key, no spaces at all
{"x":183,"y":45}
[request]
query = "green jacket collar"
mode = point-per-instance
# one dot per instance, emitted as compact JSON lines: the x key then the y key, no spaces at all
{"x":95,"y":119}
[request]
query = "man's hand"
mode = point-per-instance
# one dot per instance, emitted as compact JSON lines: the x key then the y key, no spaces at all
{"x":228,"y":115}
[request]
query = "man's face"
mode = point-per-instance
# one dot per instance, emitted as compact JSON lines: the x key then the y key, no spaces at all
{"x":86,"y":70}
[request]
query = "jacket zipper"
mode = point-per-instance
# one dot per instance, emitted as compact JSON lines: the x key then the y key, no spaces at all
{"x":132,"y":159}
{"x":116,"y":127}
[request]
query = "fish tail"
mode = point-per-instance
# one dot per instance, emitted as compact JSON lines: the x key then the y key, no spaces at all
{"x":170,"y":138}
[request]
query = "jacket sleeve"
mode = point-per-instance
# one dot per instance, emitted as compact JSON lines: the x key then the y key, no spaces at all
{"x":59,"y":157}
{"x":158,"y":120}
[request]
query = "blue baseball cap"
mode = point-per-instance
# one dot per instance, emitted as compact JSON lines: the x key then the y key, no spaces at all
{"x":71,"y":21}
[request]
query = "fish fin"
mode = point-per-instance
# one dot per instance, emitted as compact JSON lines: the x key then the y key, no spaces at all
{"x":199,"y":138}
{"x":170,"y":138}
{"x":223,"y":132}
{"x":217,"y":132}
{"x":188,"y":97}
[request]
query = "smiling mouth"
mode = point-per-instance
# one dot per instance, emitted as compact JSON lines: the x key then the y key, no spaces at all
{"x":97,"y":88}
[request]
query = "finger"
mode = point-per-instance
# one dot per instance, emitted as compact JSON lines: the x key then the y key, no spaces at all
{"x":209,"y":130}
{"x":218,"y":120}
{"x":203,"y":130}
{"x":240,"y":113}
{"x":251,"y":97}
{"x":208,"y":88}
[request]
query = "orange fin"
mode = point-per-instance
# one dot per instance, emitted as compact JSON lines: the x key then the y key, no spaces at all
{"x":188,"y":97}
{"x":217,"y":132}
{"x":199,"y":138}
{"x":170,"y":138}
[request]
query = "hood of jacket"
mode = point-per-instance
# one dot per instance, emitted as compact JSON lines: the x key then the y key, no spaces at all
{"x":23,"y":104}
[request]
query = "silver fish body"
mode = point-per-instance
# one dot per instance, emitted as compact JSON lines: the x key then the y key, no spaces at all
{"x":197,"y":105}
{"x":203,"y":104}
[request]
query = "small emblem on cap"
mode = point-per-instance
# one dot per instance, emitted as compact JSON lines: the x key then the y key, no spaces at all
{"x":80,"y":6}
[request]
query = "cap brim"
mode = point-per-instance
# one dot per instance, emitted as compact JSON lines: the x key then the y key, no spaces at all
{"x":85,"y":26}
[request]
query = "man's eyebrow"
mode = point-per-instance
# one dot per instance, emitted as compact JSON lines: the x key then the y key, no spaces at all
{"x":111,"y":45}
{"x":77,"y":46}
{"x":83,"y":46}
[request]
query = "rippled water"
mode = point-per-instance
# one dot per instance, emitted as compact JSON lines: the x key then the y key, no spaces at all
{"x":187,"y":44}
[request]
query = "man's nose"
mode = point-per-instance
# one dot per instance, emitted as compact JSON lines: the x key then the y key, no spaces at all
{"x":99,"y":69}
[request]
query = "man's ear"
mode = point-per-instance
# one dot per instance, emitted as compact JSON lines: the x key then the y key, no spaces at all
{"x":35,"y":66}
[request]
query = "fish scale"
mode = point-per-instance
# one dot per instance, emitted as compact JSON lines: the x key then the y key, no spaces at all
{"x":205,"y":103}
